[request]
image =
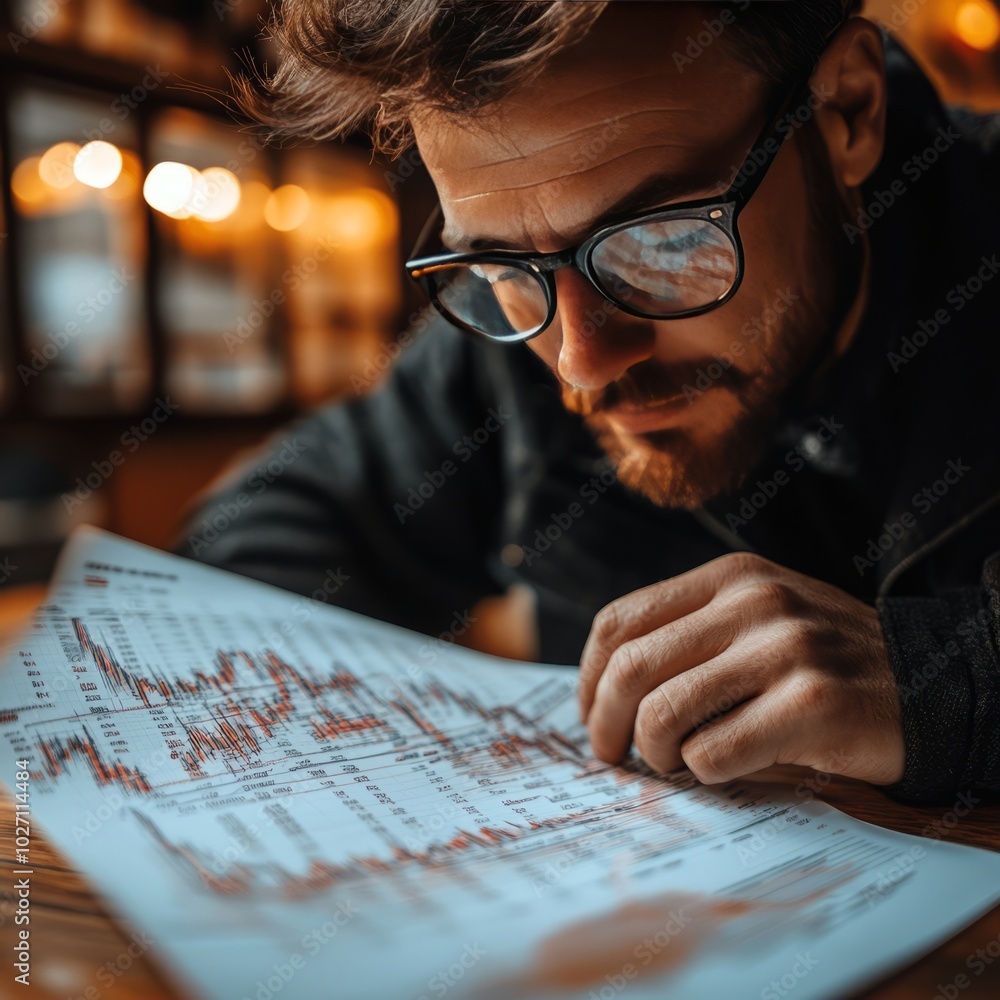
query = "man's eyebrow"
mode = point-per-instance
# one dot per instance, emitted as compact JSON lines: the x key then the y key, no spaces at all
{"x":652,"y":192}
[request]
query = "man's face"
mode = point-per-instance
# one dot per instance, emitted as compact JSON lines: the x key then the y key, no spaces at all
{"x":681,"y":406}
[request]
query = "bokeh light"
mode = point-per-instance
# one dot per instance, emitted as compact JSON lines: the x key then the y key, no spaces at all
{"x":56,"y":165}
{"x":287,"y":208}
{"x":363,"y":216}
{"x":978,"y":25}
{"x":98,"y":164}
{"x":217,"y":195}
{"x":169,"y":188}
{"x":28,"y":188}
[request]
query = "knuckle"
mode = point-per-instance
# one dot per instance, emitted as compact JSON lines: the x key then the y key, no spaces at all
{"x":629,"y":667}
{"x":710,"y":760}
{"x":810,"y":693}
{"x":775,"y":596}
{"x":606,"y":621}
{"x":741,"y":564}
{"x":656,"y":718}
{"x":724,"y":701}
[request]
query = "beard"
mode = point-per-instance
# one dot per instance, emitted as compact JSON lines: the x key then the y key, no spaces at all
{"x":685,"y":467}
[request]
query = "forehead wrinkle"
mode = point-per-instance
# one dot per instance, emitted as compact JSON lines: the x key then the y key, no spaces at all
{"x":561,"y":178}
{"x":609,"y":88}
{"x":455,"y":235}
{"x":710,"y":152}
{"x":516,"y":141}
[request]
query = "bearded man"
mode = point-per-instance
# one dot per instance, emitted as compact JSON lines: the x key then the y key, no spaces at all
{"x":709,"y":377}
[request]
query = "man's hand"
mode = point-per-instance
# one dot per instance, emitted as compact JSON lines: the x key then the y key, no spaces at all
{"x":740,"y":664}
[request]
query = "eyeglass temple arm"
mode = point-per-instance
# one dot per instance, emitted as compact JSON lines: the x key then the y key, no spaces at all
{"x":771,"y":138}
{"x":425,"y":234}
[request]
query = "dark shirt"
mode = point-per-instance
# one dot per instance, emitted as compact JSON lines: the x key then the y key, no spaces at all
{"x":463,"y":474}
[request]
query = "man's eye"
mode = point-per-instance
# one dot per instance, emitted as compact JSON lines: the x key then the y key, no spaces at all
{"x":679,"y":244}
{"x":494,"y":273}
{"x":670,"y":240}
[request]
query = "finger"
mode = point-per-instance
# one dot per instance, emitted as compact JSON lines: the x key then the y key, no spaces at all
{"x":757,"y":734}
{"x":696,"y":699}
{"x":640,"y":665}
{"x":637,"y":614}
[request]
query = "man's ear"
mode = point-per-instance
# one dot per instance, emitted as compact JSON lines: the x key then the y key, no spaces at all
{"x":849,"y":80}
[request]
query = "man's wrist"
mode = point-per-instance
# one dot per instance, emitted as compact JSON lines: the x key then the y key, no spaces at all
{"x":936,"y":694}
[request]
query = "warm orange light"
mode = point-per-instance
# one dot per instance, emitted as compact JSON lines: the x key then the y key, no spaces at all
{"x":169,"y":187}
{"x":28,"y":187}
{"x":978,"y":25}
{"x":98,"y":164}
{"x":363,"y":216}
{"x":287,"y":208}
{"x":249,"y":213}
{"x":217,"y":195}
{"x":56,"y":165}
{"x":127,"y":183}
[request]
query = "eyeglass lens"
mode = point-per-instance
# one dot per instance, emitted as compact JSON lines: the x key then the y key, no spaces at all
{"x":658,"y":268}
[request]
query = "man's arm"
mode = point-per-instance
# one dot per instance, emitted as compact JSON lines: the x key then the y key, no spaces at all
{"x":385,"y":504}
{"x":945,"y":654}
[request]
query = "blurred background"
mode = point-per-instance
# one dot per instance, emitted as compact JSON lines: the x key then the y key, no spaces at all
{"x":171,"y":289}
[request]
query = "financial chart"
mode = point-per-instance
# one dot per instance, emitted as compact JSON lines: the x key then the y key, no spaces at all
{"x":293,"y":799}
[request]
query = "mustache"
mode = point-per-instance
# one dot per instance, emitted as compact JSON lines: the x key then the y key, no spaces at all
{"x":651,"y":383}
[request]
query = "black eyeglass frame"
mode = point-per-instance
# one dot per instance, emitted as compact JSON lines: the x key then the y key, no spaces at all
{"x":720,"y":210}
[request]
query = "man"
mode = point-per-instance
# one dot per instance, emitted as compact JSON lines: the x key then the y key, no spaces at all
{"x":748,"y":425}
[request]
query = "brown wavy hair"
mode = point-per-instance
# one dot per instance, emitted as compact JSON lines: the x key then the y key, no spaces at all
{"x":347,"y":65}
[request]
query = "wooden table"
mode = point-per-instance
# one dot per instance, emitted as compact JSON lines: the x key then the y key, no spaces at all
{"x":74,"y":938}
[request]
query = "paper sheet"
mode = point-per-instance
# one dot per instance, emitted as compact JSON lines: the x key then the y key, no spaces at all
{"x":293,"y":801}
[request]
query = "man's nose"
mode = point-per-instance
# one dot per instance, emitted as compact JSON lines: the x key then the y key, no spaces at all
{"x":599,"y":342}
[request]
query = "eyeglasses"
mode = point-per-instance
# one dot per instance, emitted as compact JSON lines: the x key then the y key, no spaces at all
{"x":663,"y":263}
